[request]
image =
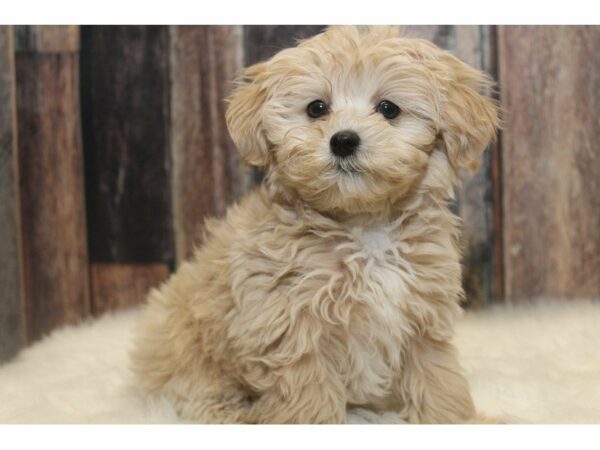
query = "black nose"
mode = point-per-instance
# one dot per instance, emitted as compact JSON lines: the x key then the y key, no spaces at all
{"x":344,"y":143}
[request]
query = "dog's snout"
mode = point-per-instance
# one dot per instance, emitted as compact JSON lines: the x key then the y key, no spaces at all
{"x":344,"y":143}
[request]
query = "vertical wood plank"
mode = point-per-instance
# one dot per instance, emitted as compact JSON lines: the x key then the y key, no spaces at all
{"x":47,"y":39}
{"x":263,"y":41}
{"x":51,"y":182}
{"x":476,"y":202}
{"x":126,"y":118}
{"x":550,"y":78}
{"x":12,"y":318}
{"x":207,"y":174}
{"x":116,"y":286}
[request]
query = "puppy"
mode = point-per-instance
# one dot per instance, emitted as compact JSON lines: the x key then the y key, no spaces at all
{"x":336,"y":283}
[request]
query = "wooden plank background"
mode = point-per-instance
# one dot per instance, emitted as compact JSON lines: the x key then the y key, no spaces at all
{"x":126,"y":115}
{"x":51,"y":179}
{"x":204,"y":61}
{"x":551,"y":161}
{"x":133,"y":117}
{"x":12,"y":318}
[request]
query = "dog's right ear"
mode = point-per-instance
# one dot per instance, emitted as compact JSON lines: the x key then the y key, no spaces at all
{"x":244,"y":115}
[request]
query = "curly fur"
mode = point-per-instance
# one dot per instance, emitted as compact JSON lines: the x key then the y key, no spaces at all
{"x":335,"y":283}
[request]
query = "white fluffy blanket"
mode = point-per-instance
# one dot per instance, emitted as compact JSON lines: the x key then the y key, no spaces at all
{"x":538,"y":363}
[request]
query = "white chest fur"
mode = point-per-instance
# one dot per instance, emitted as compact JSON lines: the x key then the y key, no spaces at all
{"x":375,"y":240}
{"x":379,"y":324}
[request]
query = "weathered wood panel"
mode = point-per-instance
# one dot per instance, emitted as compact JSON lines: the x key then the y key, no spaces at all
{"x":51,"y":183}
{"x":126,"y":119}
{"x":125,"y":112}
{"x":207,"y":174}
{"x":12,"y":319}
{"x":263,"y":41}
{"x":47,"y":39}
{"x":116,"y":286}
{"x":550,"y":78}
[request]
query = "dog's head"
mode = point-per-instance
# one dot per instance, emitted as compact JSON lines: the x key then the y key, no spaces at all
{"x":348,"y":119}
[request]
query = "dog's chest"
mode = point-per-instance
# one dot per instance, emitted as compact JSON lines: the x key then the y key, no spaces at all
{"x":379,"y":322}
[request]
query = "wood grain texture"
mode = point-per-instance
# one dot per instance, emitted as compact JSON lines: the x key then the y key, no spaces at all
{"x":47,"y":38}
{"x":477,"y":202}
{"x":207,"y":174}
{"x":125,"y":113}
{"x":117,"y":286}
{"x":550,"y":79}
{"x":51,"y":183}
{"x":12,"y":307}
{"x":263,"y":41}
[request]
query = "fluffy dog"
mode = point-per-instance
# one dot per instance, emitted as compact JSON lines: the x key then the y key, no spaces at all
{"x":336,"y":283}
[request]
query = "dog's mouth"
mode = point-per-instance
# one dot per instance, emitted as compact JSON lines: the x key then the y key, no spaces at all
{"x":347,"y":166}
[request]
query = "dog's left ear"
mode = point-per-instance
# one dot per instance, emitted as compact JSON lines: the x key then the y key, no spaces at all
{"x":244,"y":115}
{"x":469,"y":116}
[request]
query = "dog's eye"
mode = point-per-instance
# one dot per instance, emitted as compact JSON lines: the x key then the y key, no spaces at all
{"x":316,"y":109}
{"x":388,"y":109}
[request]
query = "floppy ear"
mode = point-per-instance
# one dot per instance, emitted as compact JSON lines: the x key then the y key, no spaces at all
{"x":469,"y":118}
{"x":244,"y":115}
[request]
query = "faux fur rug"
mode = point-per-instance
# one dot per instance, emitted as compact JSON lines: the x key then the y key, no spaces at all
{"x":538,"y":363}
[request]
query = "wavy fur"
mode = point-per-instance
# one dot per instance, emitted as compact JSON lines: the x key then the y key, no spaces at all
{"x":334,"y":284}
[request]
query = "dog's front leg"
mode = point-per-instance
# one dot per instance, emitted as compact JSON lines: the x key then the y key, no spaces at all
{"x":306,"y":391}
{"x":432,"y":387}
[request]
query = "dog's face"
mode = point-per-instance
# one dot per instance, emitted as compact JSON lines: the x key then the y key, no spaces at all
{"x":348,"y":120}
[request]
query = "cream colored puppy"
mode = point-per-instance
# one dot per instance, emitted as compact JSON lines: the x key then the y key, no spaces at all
{"x":336,"y":283}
